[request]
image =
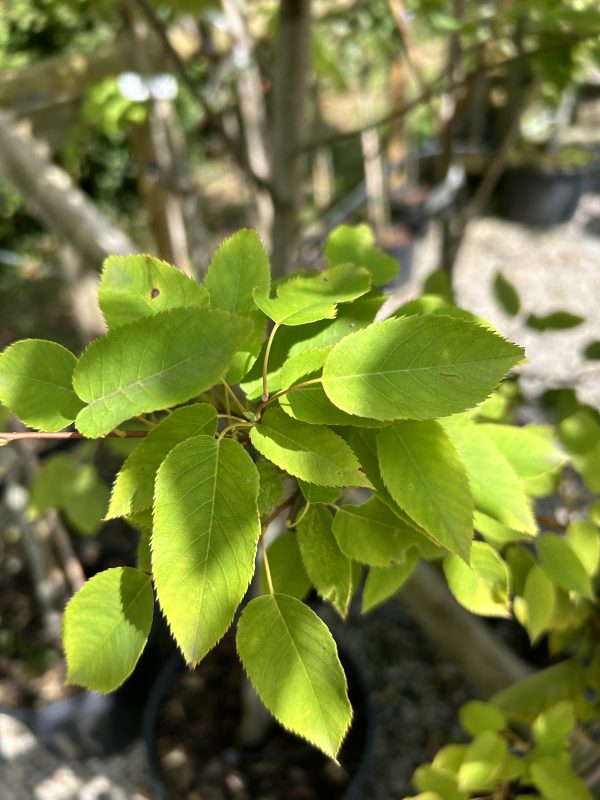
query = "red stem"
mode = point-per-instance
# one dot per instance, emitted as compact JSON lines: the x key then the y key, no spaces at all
{"x":13,"y":436}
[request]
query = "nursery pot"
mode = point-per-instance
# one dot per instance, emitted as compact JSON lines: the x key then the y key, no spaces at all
{"x":540,"y":198}
{"x":281,"y":769}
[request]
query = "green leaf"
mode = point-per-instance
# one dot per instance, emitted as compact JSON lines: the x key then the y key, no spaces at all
{"x":206,"y":529}
{"x":425,"y":476}
{"x":310,"y":452}
{"x":138,"y":286}
{"x":133,"y":490}
{"x":527,"y":449}
{"x":319,"y":494}
{"x":536,"y":608}
{"x":482,"y":761}
{"x":66,"y":484}
{"x":154,"y":363}
{"x":372,"y":534}
{"x":144,"y":553}
{"x":425,"y":304}
{"x":557,"y":781}
{"x":290,"y":341}
{"x":328,"y":568}
{"x":592,"y":351}
{"x":106,"y":625}
{"x":482,"y":588}
{"x":311,"y":404}
{"x":524,"y":700}
{"x":271,"y":488}
{"x":383,"y":582}
{"x":558,"y":321}
{"x":580,"y":432}
{"x":495,"y":532}
{"x":354,"y":244}
{"x":477,"y":717}
{"x":418,"y":367}
{"x":310,"y":298}
{"x":287,"y":572}
{"x":584,"y":539}
{"x":562,"y":565}
{"x":506,"y":295}
{"x":292,"y":661}
{"x":239,"y":266}
{"x":495,"y":486}
{"x":440,"y":782}
{"x":552,"y":727}
{"x":36,"y":384}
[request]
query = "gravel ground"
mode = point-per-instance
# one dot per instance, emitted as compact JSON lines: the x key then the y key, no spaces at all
{"x":415,"y":694}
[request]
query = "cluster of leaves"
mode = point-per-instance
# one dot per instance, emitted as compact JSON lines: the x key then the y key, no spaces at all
{"x":377,"y":427}
{"x":505,"y":757}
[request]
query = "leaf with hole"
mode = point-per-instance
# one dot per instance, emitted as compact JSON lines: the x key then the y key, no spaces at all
{"x":136,"y":286}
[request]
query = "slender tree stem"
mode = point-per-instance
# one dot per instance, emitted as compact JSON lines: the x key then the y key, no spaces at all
{"x":234,"y":397}
{"x":299,"y":518}
{"x":265,"y":394}
{"x":266,"y":563}
{"x":146,"y":422}
{"x":266,"y":403}
{"x":235,"y":425}
{"x":230,"y":416}
{"x":13,"y":436}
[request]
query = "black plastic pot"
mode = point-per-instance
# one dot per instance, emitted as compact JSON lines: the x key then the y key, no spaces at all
{"x":540,"y":198}
{"x":301,"y":754}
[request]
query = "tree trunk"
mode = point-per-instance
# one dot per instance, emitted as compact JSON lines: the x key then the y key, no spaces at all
{"x":488,"y":663}
{"x":252,"y":111}
{"x":51,"y":197}
{"x":292,"y":59}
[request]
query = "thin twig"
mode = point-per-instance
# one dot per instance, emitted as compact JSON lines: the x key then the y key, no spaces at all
{"x":13,"y":436}
{"x":266,"y":563}
{"x":234,"y":397}
{"x":181,"y":69}
{"x":266,"y":403}
{"x":436,"y":86}
{"x":265,"y":377}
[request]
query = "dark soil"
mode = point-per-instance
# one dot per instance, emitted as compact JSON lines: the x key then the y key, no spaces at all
{"x":199,"y":757}
{"x":32,"y":671}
